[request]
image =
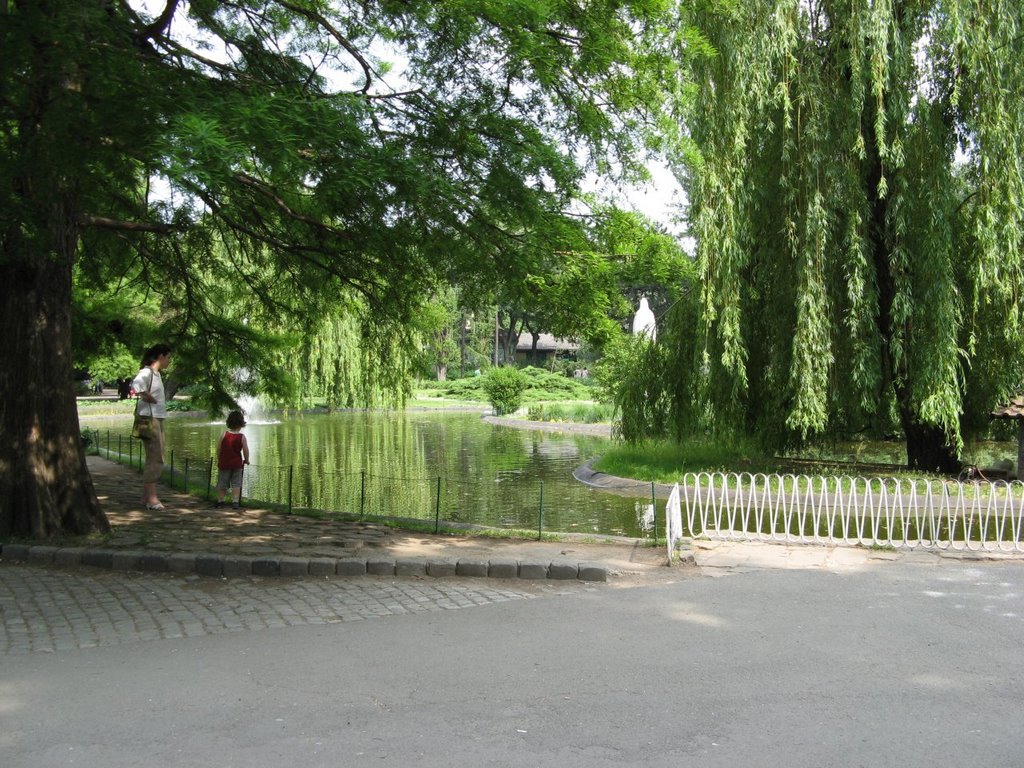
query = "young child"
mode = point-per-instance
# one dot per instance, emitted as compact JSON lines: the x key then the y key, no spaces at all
{"x":232,"y":454}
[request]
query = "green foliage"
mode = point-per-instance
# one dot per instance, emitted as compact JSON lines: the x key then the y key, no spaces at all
{"x":182,"y":406}
{"x":540,"y":385}
{"x":631,"y":376}
{"x":283,"y":192}
{"x":665,"y":461}
{"x":544,"y":385}
{"x":579,"y":413}
{"x":504,"y":387}
{"x":110,"y":324}
{"x":109,"y":366}
{"x":470,"y":389}
{"x":440,"y":324}
{"x":590,"y":291}
{"x":347,"y":360}
{"x":252,"y":173}
{"x":857,"y":205}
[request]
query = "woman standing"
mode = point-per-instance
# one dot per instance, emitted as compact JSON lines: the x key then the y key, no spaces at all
{"x":149,"y":384}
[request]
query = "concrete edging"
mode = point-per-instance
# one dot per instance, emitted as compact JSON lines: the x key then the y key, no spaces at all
{"x":227,"y":566}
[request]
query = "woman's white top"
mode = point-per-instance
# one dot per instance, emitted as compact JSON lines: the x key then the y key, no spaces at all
{"x":141,"y":383}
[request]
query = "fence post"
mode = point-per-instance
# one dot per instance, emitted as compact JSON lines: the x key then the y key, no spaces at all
{"x":540,"y":516}
{"x":291,"y":474}
{"x":437,"y":508}
{"x":172,"y":466}
{"x":654,"y":510}
{"x":131,"y":454}
{"x":209,"y":478}
{"x":119,"y":449}
{"x":186,"y":474}
{"x":362,"y":492}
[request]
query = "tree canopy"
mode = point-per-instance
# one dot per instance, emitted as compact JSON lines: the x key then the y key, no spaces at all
{"x":857,"y":204}
{"x":277,"y":155}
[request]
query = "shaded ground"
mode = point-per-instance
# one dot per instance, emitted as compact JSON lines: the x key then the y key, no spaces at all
{"x":189,"y":524}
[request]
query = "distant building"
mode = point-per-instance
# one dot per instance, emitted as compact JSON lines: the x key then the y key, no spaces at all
{"x":548,"y":347}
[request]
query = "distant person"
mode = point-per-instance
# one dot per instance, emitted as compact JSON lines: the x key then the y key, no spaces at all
{"x":232,"y":455}
{"x":124,"y":389}
{"x":149,"y":385}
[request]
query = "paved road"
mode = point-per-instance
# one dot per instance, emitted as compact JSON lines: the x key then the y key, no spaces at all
{"x":892,"y":664}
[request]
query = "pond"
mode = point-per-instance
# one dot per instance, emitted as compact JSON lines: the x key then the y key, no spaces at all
{"x":417,"y":464}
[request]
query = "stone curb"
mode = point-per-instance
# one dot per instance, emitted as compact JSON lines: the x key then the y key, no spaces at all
{"x":219,"y":565}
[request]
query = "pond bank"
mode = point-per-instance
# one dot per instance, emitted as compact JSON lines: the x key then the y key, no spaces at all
{"x":570,"y":427}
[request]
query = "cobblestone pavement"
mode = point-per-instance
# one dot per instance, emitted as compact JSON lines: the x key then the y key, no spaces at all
{"x":46,"y":610}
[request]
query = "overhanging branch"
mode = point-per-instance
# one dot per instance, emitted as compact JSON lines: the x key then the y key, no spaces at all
{"x":103,"y":222}
{"x":343,"y":41}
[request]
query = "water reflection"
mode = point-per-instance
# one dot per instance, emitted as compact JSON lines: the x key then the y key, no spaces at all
{"x":420,"y":465}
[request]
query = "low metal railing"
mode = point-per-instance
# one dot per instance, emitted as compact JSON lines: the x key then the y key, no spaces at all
{"x":883,"y":512}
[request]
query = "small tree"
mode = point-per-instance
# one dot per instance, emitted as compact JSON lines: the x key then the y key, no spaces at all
{"x":632,"y":378}
{"x":504,"y":388}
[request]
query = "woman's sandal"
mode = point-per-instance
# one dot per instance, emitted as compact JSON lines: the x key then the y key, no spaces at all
{"x":157,"y":506}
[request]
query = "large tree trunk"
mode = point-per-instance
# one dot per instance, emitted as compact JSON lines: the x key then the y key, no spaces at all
{"x":45,"y":487}
{"x":928,"y":450}
{"x":509,"y":338}
{"x":534,"y":356}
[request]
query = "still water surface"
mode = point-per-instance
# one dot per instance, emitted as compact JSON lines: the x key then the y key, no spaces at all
{"x":422,"y":464}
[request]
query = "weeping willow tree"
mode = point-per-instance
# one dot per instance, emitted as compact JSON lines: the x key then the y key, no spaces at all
{"x":345,"y":360}
{"x":857,"y":208}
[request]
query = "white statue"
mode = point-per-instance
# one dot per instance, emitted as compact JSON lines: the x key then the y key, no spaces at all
{"x":643,"y":320}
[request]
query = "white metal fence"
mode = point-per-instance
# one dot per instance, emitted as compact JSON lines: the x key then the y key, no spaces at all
{"x":887,"y":512}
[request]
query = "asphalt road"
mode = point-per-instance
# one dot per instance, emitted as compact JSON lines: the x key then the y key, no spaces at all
{"x":891,"y":665}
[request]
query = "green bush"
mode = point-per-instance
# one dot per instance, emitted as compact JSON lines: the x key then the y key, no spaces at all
{"x":599,"y":414}
{"x":581,"y":413}
{"x":540,"y":385}
{"x":544,"y":385}
{"x":632,"y":375}
{"x":504,"y":388}
{"x":469,"y":388}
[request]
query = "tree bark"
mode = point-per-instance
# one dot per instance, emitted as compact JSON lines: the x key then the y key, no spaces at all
{"x":509,"y":338}
{"x":45,"y":487}
{"x":928,"y":450}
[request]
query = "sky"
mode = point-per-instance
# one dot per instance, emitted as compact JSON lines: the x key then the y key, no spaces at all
{"x":661,"y":200}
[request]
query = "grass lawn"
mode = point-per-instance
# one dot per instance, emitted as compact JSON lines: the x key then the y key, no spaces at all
{"x":666,"y":462}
